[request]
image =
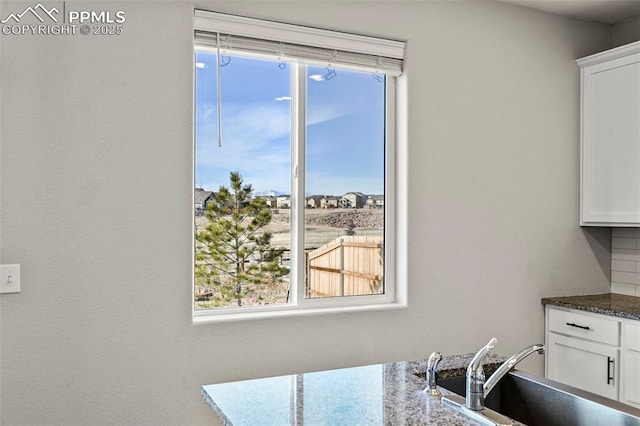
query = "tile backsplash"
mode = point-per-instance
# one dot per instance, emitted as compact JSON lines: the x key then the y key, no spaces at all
{"x":625,"y":261}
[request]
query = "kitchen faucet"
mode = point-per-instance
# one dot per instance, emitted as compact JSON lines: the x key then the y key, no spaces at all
{"x":477,"y":388}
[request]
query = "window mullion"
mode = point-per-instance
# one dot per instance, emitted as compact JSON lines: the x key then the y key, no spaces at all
{"x":298,"y":129}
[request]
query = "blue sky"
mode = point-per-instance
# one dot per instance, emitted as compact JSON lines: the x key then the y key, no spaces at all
{"x":345,"y":127}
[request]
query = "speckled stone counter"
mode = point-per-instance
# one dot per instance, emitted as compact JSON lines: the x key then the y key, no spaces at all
{"x":616,"y":305}
{"x":456,"y":365}
{"x":383,"y":394}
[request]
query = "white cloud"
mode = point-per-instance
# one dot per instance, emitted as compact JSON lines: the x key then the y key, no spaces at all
{"x":255,"y":141}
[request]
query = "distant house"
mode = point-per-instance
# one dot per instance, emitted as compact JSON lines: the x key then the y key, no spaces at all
{"x":330,"y":202}
{"x":283,"y":202}
{"x":272,"y":200}
{"x":201,"y":199}
{"x":375,"y":201}
{"x":315,"y":201}
{"x":353,"y":200}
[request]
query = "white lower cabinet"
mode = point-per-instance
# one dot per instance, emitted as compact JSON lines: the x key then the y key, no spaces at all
{"x":593,"y":352}
{"x":630,"y":386}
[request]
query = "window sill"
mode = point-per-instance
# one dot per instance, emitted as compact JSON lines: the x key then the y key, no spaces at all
{"x":205,"y":318}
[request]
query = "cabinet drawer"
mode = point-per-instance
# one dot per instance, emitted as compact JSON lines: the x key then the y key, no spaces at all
{"x":631,"y":336}
{"x":597,"y":329}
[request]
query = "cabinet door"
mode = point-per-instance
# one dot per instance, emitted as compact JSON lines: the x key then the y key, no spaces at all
{"x":585,"y":365}
{"x":611,"y":142}
{"x":630,"y":374}
{"x":630,"y":392}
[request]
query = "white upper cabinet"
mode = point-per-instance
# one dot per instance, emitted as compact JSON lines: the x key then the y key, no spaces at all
{"x":610,"y":137}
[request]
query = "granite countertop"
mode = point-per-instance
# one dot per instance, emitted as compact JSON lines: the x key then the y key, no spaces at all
{"x":389,"y":394}
{"x":616,"y":305}
{"x":456,"y":365}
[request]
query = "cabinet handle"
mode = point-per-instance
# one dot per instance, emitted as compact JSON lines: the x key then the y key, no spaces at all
{"x":609,"y":369}
{"x":572,"y":324}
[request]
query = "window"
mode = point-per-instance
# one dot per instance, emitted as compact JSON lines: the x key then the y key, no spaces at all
{"x":294,"y":167}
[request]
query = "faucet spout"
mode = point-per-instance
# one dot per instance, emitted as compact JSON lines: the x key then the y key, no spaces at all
{"x":475,"y":378}
{"x":508,"y":365}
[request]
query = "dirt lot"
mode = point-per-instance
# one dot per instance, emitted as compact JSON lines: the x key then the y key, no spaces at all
{"x":322,"y":225}
{"x":325,"y":225}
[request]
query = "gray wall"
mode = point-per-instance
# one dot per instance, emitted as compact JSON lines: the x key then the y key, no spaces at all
{"x":95,"y":128}
{"x":626,"y":32}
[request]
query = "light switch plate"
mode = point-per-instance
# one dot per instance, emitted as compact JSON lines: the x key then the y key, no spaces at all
{"x":9,"y":278}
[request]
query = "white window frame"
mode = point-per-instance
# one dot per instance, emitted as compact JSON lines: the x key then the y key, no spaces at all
{"x":394,"y":296}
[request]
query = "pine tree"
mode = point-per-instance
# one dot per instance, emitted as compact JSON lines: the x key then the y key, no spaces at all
{"x":234,"y":257}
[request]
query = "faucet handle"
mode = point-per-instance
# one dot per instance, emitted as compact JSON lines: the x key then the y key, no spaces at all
{"x":476,"y":363}
{"x":432,"y":370}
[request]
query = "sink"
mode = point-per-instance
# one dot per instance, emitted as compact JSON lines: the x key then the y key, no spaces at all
{"x":534,"y":401}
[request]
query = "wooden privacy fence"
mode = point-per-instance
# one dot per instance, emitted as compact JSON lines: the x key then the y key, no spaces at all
{"x":347,"y":266}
